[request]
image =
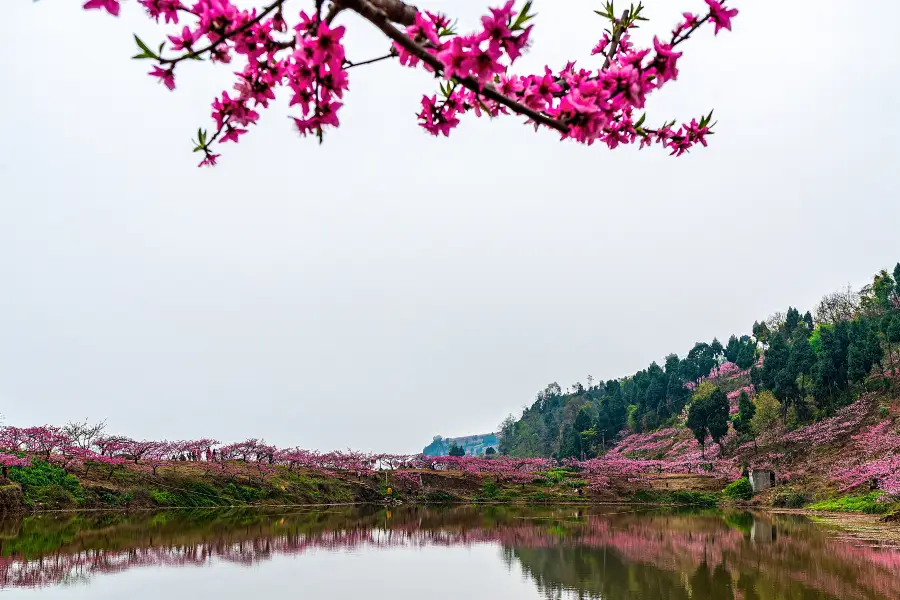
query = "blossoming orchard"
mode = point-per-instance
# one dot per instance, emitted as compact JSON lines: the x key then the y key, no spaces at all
{"x":299,"y":46}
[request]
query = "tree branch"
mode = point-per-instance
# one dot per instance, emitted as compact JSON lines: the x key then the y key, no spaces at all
{"x":379,"y":18}
{"x":396,"y":11}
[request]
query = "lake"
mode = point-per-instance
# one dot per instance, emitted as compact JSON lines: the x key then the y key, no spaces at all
{"x":407,"y":553}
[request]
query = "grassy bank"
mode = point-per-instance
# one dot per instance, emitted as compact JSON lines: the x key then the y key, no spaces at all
{"x":43,"y":487}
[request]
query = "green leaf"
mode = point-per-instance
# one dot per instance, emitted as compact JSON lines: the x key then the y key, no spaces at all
{"x":144,"y":47}
{"x":640,"y":121}
{"x":523,"y":17}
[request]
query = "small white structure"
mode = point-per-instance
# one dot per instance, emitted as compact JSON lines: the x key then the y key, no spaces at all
{"x":763,"y":532}
{"x":761,"y":479}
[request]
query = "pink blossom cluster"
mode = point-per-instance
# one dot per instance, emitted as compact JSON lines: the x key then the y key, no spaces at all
{"x":748,"y":389}
{"x":667,"y":451}
{"x":112,"y":452}
{"x":874,"y":456}
{"x":630,"y":470}
{"x":11,"y":460}
{"x":727,"y":370}
{"x":593,"y":104}
{"x":588,"y":105}
{"x":734,"y":398}
{"x":828,"y":431}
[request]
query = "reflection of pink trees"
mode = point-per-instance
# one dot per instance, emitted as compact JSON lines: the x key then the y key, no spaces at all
{"x":803,"y":555}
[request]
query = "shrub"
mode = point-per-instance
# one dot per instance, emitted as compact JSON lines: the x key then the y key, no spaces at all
{"x":740,"y":489}
{"x":41,"y":473}
{"x":871,"y":503}
{"x":164,"y":498}
{"x":789,"y":499}
{"x":439,"y":497}
{"x":46,"y":484}
{"x":489,"y":490}
{"x":539,"y":497}
{"x":675,"y":497}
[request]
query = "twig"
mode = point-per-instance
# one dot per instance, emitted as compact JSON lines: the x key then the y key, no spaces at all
{"x":618,"y":30}
{"x":677,"y":40}
{"x":378,"y":18}
{"x":350,"y":64}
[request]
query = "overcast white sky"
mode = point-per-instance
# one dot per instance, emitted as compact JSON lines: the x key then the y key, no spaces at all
{"x":389,"y":286}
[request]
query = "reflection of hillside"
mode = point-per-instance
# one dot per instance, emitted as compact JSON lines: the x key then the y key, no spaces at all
{"x":705,"y":557}
{"x":602,"y":552}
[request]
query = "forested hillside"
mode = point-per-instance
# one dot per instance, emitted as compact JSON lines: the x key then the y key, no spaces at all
{"x":793,"y":368}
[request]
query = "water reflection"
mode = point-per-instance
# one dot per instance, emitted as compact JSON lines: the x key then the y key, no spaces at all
{"x":612,"y":553}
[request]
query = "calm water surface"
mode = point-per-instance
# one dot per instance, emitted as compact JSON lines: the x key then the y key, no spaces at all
{"x":492,"y":553}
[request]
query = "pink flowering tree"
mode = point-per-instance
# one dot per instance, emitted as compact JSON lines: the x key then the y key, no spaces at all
{"x":295,"y":47}
{"x":11,"y":460}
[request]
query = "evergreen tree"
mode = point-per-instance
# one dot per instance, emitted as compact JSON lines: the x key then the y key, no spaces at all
{"x":761,"y":332}
{"x":583,"y":420}
{"x":717,"y":415}
{"x":689,"y":369}
{"x":830,"y":373}
{"x":883,"y":288}
{"x":746,"y":355}
{"x":775,"y":370}
{"x":874,"y":350}
{"x":756,"y":377}
{"x":704,"y":356}
{"x":897,"y":280}
{"x":732,"y":350}
{"x":808,"y":320}
{"x":677,"y":395}
{"x":859,"y":357}
{"x":456,"y":450}
{"x":892,"y":336}
{"x":696,"y":421}
{"x":792,"y":320}
{"x":746,"y":411}
{"x":708,"y":414}
{"x":856,"y":358}
{"x":802,"y":361}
